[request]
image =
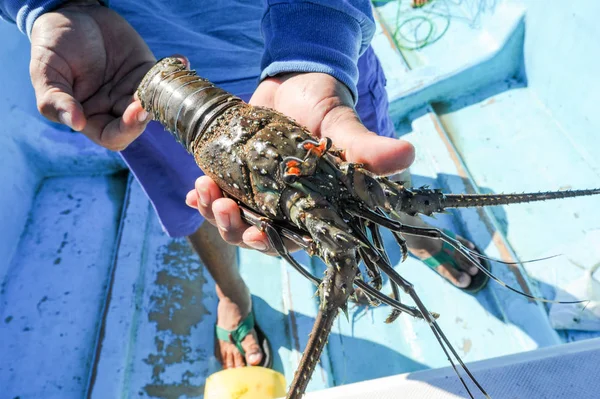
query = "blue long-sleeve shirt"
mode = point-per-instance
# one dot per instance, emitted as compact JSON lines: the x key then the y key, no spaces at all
{"x":223,"y":38}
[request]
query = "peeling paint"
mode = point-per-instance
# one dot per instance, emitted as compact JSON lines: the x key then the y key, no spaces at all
{"x":174,"y":391}
{"x":176,"y":308}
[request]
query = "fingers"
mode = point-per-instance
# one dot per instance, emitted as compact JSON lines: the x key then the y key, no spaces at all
{"x":381,"y":155}
{"x":229,"y":220}
{"x":225,"y":214}
{"x":103,"y":129}
{"x":203,"y":196}
{"x":117,"y":133}
{"x":53,"y":82}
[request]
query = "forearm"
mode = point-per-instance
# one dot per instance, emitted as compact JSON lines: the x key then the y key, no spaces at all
{"x":316,"y":36}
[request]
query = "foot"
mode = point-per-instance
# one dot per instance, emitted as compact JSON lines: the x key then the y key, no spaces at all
{"x":460,"y":273}
{"x":229,"y":317}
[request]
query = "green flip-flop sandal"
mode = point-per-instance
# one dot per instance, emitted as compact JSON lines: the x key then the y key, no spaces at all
{"x":446,"y":256}
{"x":237,"y":336}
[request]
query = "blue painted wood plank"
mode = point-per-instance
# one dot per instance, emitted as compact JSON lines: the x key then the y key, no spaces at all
{"x":116,"y":338}
{"x":526,"y":149}
{"x":563,"y":72}
{"x":52,"y":295}
{"x":510,"y":143}
{"x":466,"y":58}
{"x":172,"y":340}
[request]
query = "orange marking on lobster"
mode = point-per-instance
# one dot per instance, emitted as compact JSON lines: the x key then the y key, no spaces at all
{"x":318,"y":149}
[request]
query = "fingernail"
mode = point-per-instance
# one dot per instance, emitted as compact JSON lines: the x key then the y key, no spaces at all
{"x":204,"y":197}
{"x":143,"y":116}
{"x":473,"y":270}
{"x":65,"y":118}
{"x":222,"y":221}
{"x":258,"y":245}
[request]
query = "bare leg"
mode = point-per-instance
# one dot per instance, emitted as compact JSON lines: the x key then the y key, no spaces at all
{"x":423,"y":248}
{"x":235,"y":302}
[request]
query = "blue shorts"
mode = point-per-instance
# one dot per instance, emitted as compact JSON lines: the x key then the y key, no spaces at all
{"x":167,"y":172}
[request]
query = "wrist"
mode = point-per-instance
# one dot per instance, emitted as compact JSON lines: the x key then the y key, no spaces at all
{"x":27,"y":16}
{"x":336,"y":87}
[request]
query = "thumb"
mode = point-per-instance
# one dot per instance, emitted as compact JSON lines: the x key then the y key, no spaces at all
{"x":381,"y":155}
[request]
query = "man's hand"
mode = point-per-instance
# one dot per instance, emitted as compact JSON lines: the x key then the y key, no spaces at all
{"x":86,"y":63}
{"x":324,"y":105}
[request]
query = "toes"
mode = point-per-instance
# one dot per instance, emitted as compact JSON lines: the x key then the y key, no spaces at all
{"x":456,"y":277}
{"x":468,"y":266}
{"x":465,"y":242}
{"x":227,"y":356}
{"x":238,"y":360}
{"x":253,"y":353}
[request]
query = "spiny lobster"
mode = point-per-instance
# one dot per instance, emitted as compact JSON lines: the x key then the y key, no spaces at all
{"x":294,"y":186}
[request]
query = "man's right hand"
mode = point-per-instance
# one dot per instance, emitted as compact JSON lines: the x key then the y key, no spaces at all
{"x":86,"y":63}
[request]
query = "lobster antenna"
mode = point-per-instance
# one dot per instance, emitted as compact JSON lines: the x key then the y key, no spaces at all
{"x":478,"y":200}
{"x":506,"y":262}
{"x":460,"y":248}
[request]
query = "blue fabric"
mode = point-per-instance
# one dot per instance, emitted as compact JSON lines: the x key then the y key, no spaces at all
{"x":24,"y":13}
{"x":223,"y":38}
{"x":316,"y":36}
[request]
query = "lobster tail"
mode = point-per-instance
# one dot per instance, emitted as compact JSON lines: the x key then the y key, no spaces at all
{"x":479,"y":200}
{"x":183,"y":102}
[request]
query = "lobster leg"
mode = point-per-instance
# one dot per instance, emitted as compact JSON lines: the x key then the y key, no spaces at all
{"x":372,"y":269}
{"x":306,"y":243}
{"x":437,"y":331}
{"x":378,"y":242}
{"x":277,"y":243}
{"x":279,"y":246}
